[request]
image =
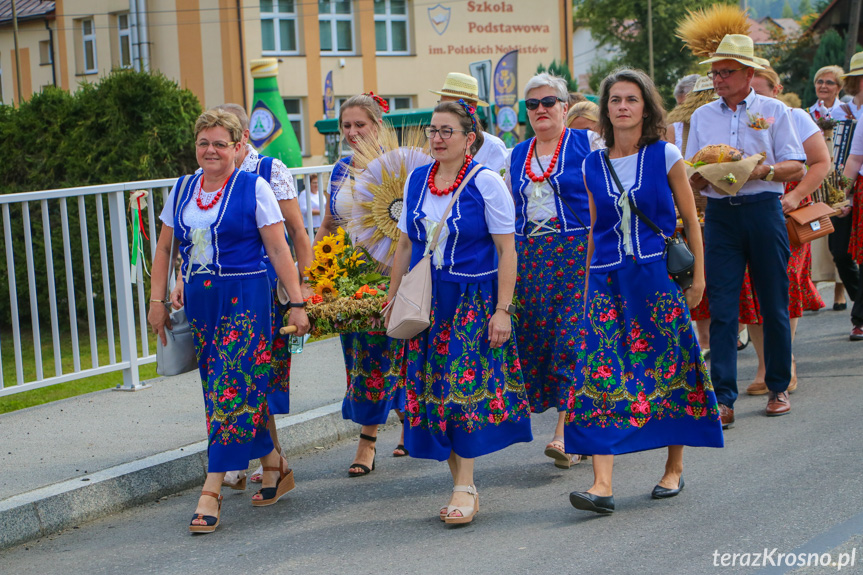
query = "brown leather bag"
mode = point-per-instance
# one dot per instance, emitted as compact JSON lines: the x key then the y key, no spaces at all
{"x":409,"y":311}
{"x":809,"y":223}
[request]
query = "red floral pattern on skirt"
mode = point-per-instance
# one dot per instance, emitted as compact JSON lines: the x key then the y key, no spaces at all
{"x":855,"y":245}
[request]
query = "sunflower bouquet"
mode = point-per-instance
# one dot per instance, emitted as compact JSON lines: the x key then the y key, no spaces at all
{"x":349,"y":292}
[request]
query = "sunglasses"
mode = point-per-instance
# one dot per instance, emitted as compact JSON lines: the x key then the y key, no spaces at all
{"x":547,"y":102}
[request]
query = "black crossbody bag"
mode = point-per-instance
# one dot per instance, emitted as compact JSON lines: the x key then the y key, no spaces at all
{"x":679,"y":259}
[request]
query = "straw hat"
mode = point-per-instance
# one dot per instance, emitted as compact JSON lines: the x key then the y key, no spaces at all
{"x":738,"y":47}
{"x":462,"y":86}
{"x":702,"y":84}
{"x":856,"y":65}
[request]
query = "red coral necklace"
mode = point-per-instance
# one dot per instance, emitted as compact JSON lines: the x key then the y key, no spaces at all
{"x":550,"y":169}
{"x":215,"y":199}
{"x":433,"y":189}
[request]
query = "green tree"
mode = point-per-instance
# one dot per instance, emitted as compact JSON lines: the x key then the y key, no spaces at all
{"x":622,"y":23}
{"x":129,"y":126}
{"x":787,"y":11}
{"x":805,"y":8}
{"x":792,"y":58}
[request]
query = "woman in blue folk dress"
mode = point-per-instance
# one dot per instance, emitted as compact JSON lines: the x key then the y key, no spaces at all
{"x":465,"y":394}
{"x":374,"y":362}
{"x":544,"y":174}
{"x":219,"y":217}
{"x":643,"y":383}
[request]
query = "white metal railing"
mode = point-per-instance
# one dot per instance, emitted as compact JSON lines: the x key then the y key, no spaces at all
{"x":97,"y":266}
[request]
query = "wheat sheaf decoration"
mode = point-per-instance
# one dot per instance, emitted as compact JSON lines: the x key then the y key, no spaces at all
{"x":702,"y":30}
{"x":372,"y":208}
{"x":694,"y":100}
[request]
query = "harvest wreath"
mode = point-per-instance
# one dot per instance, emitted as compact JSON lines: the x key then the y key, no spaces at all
{"x":349,"y":293}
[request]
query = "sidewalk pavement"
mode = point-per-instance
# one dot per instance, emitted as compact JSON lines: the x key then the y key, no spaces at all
{"x":81,"y":458}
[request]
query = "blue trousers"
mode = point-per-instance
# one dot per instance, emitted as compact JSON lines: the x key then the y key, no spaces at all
{"x":741,"y":230}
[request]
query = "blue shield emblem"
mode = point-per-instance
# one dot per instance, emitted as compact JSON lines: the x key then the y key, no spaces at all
{"x":439,"y":18}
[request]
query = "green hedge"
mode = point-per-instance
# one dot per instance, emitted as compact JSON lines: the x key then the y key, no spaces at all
{"x":129,"y":126}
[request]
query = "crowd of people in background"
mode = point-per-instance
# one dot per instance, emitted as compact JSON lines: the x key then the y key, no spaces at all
{"x":549,"y":277}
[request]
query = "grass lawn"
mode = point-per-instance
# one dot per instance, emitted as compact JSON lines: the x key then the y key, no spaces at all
{"x":62,"y":390}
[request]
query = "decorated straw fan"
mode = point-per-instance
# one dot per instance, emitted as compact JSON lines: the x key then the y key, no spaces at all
{"x":372,"y":209}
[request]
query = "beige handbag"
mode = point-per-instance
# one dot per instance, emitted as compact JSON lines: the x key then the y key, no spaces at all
{"x":410,"y":309}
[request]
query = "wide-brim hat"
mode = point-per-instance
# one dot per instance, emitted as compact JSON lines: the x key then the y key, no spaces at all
{"x":461,"y":86}
{"x":856,"y":65}
{"x":702,"y":84}
{"x":738,"y":47}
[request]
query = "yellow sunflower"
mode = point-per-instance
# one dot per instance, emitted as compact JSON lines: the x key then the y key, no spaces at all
{"x":328,"y":247}
{"x":326,"y":289}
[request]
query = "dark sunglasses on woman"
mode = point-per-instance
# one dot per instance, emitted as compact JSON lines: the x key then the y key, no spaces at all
{"x":547,"y":102}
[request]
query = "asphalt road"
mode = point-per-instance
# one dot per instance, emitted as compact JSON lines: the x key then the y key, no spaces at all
{"x":791,"y":483}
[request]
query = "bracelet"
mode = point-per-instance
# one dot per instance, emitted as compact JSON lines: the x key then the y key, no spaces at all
{"x":297,"y":305}
{"x":159,"y":301}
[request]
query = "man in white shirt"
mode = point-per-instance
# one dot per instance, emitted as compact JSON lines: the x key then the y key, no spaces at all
{"x":493,"y":153}
{"x":748,"y":228}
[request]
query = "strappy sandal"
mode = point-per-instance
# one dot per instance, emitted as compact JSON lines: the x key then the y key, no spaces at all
{"x":401,"y":446}
{"x":258,"y":475}
{"x":466,"y":513}
{"x":238,"y":484}
{"x":211,"y":522}
{"x":364,"y":469}
{"x":270,"y":495}
{"x":562,"y":460}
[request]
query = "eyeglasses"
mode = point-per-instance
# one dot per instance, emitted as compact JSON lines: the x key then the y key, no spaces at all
{"x":444,"y":133}
{"x":547,"y":102}
{"x":826,"y":83}
{"x":219,"y":145}
{"x":722,"y":73}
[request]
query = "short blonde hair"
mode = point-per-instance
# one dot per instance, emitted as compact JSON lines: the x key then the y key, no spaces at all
{"x":585,"y":109}
{"x":216,"y":118}
{"x":837,"y":72}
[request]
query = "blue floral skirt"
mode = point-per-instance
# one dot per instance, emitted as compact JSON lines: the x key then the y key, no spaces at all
{"x":232,"y":325}
{"x":375,"y":367}
{"x":279,"y":390}
{"x":643,"y":383}
{"x":462,"y":395}
{"x":551,"y":273}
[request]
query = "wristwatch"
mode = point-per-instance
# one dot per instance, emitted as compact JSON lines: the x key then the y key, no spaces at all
{"x":770,"y":174}
{"x":299,"y":304}
{"x":508,"y":308}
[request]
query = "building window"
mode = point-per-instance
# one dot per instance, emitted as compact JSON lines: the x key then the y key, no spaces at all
{"x":294,"y":108}
{"x":279,"y":27}
{"x":400,"y":103}
{"x":45,"y":56}
{"x":336,"y":18}
{"x":124,"y":40}
{"x":88,"y":41}
{"x":391,"y":27}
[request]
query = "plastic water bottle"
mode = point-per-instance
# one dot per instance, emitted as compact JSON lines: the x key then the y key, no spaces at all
{"x":295,"y":343}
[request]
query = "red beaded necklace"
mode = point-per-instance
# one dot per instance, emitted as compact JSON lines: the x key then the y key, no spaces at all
{"x":551,"y":164}
{"x":215,"y":199}
{"x":433,"y":189}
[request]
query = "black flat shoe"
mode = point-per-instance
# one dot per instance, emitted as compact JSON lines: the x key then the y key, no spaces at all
{"x":660,"y":492}
{"x":590,"y":502}
{"x":840,"y":306}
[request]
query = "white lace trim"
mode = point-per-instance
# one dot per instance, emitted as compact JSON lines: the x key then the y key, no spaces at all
{"x":281,"y":179}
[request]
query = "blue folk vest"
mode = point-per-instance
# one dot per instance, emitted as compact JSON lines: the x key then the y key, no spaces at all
{"x":340,"y":172}
{"x":651,"y":193}
{"x":470,"y":255}
{"x":237,"y":245}
{"x":566,"y":180}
